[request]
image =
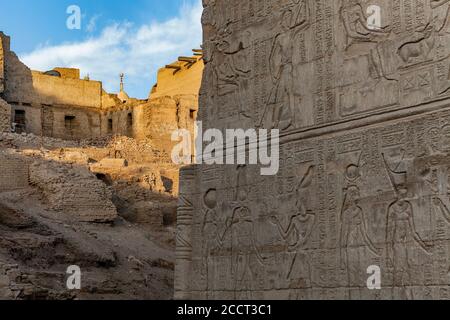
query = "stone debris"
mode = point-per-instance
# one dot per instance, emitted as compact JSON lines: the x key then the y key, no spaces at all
{"x":75,"y":192}
{"x":29,"y":139}
{"x":109,"y":163}
{"x":74,"y":204}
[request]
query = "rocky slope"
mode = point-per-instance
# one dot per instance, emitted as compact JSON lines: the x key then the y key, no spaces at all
{"x":106,"y":206}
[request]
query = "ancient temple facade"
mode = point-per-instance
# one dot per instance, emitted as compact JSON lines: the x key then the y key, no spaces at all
{"x":364,"y":179}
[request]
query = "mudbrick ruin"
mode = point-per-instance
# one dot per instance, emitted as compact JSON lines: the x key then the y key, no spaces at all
{"x":87,"y":179}
{"x":364,"y":174}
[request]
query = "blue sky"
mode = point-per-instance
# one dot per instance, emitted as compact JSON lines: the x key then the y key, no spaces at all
{"x":132,"y":36}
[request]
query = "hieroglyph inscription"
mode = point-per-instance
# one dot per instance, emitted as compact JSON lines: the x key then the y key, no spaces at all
{"x":378,"y":197}
{"x":297,"y":64}
{"x":360,"y":207}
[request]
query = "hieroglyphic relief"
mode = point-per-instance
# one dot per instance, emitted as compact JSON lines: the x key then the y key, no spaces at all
{"x":364,"y":173}
{"x":186,"y":207}
{"x":404,"y":58}
{"x":339,"y":205}
{"x":296,"y":235}
{"x":296,"y":64}
{"x":282,"y":98}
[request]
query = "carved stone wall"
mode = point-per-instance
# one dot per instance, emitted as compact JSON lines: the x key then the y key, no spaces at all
{"x":259,"y":52}
{"x":2,"y":66}
{"x":364,"y":174}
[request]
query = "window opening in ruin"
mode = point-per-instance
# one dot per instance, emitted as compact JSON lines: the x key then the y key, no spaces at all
{"x":19,"y":121}
{"x":69,"y":124}
{"x":53,"y":73}
{"x":192,"y":113}
{"x":130,"y":120}
{"x":110,"y":125}
{"x":167,"y":183}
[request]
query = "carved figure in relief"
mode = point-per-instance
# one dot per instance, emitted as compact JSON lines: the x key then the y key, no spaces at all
{"x":440,"y":17}
{"x":208,"y":15}
{"x":371,"y":47}
{"x":401,"y":232}
{"x":212,"y":235}
{"x":401,"y":228}
{"x":353,"y":175}
{"x":437,"y":3}
{"x":295,"y":18}
{"x":297,"y":234}
{"x":443,"y":208}
{"x":243,"y":241}
{"x":440,"y":208}
{"x":357,"y":31}
{"x":441,"y":22}
{"x":355,"y":23}
{"x":418,"y":48}
{"x":233,"y":72}
{"x":353,"y":228}
{"x":209,"y":88}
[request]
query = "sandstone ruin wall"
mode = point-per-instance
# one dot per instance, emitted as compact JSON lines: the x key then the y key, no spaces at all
{"x":57,"y":103}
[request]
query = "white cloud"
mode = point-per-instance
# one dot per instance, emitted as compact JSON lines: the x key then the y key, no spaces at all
{"x":138,"y":51}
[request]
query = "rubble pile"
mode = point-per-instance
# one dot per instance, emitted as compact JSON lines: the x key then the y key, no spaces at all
{"x":82,"y":203}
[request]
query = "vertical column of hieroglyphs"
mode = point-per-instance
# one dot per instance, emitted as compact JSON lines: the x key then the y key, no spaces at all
{"x":183,"y":255}
{"x":2,"y":66}
{"x":324,"y":106}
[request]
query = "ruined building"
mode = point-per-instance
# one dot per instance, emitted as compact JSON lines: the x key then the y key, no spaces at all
{"x":59,"y":104}
{"x":364,"y":180}
{"x":86,"y":179}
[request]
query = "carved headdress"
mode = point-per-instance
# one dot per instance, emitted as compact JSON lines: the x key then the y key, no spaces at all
{"x":241,"y":184}
{"x":397,"y":178}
